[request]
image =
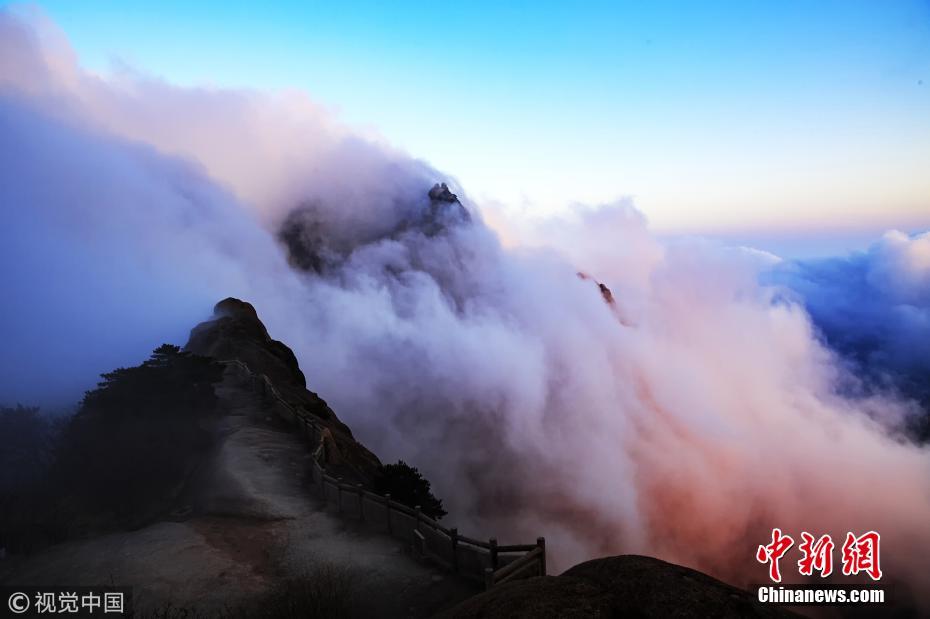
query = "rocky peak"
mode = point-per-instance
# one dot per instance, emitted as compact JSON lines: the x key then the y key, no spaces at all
{"x":235,"y":332}
{"x":445,"y":211}
{"x":233,"y":307}
{"x":440,"y":193}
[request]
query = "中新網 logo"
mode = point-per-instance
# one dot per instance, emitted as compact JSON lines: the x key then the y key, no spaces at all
{"x":858,"y":554}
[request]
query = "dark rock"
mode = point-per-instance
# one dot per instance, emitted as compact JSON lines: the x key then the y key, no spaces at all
{"x":445,"y":211}
{"x":304,"y":236}
{"x":622,"y":586}
{"x":605,"y":291}
{"x":440,"y":193}
{"x":236,"y":333}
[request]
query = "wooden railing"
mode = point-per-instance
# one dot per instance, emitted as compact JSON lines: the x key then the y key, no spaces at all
{"x":484,"y":561}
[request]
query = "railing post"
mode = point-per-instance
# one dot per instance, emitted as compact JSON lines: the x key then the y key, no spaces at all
{"x":419,"y":514}
{"x":361,"y":502}
{"x":541,"y":542}
{"x":339,"y":493}
{"x":488,"y":578}
{"x":387,"y":511}
{"x":454,"y":536}
{"x":493,"y":544}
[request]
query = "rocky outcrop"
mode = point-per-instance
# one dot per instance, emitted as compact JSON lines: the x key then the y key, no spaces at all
{"x":236,"y":333}
{"x":440,"y":193}
{"x":607,"y":295}
{"x":622,"y":586}
{"x":445,"y":211}
{"x":315,"y":243}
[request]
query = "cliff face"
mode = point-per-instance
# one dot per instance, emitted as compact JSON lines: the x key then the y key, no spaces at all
{"x":236,"y":333}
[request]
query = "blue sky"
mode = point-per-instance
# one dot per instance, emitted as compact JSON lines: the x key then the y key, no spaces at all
{"x":716,"y":117}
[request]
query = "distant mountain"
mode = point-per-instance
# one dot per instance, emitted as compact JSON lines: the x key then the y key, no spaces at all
{"x":315,"y":244}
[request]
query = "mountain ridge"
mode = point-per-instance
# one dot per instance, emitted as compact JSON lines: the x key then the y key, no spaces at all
{"x":235,"y":332}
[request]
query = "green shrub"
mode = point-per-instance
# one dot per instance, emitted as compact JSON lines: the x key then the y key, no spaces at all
{"x":128,"y":450}
{"x":407,"y":485}
{"x":26,"y":448}
{"x":28,"y":516}
{"x":119,"y":462}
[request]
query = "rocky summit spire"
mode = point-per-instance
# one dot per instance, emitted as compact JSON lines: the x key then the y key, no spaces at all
{"x":440,"y":193}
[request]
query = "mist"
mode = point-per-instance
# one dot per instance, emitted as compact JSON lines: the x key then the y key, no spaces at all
{"x":873,"y":307}
{"x":722,"y":393}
